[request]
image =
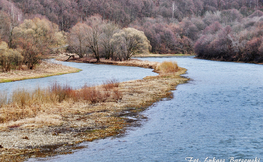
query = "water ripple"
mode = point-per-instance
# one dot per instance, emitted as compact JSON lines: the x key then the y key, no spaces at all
{"x":218,"y":114}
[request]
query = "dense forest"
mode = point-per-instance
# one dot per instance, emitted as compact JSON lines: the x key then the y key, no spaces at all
{"x":229,"y":30}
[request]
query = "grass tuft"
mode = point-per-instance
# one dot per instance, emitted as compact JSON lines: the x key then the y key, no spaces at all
{"x":168,"y":67}
{"x":62,"y":92}
{"x":110,"y":84}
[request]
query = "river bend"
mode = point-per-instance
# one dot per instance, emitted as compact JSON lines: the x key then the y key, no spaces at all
{"x":218,"y":114}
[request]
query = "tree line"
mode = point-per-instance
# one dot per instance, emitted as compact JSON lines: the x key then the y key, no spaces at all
{"x":34,"y":38}
{"x":212,"y":29}
{"x":123,"y":12}
{"x":105,"y":39}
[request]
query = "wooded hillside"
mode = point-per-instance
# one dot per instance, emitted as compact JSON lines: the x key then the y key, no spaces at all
{"x":213,"y":29}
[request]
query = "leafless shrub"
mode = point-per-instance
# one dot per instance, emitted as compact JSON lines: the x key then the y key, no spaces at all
{"x":110,"y":84}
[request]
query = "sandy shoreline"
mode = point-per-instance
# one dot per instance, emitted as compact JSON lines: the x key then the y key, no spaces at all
{"x":20,"y":140}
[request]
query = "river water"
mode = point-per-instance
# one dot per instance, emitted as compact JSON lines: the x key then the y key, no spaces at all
{"x":91,"y":74}
{"x":218,"y":115}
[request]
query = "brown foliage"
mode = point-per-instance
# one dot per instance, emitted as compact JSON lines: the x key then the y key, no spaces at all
{"x":110,"y":84}
{"x":36,"y":38}
{"x":26,"y":104}
{"x":168,"y":67}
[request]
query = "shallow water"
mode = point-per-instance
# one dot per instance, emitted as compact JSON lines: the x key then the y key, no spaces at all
{"x":218,"y":114}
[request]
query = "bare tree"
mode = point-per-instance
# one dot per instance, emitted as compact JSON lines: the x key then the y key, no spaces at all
{"x":94,"y":34}
{"x":109,"y":30}
{"x":78,"y":37}
{"x":10,"y":16}
{"x":128,"y":42}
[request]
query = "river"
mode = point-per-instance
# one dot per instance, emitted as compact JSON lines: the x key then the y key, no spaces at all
{"x":91,"y":74}
{"x":217,"y":115}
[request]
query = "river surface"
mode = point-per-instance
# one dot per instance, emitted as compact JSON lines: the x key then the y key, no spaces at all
{"x":217,"y":115}
{"x":91,"y":74}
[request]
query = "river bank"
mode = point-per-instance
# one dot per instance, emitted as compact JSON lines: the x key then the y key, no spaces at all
{"x":225,"y":60}
{"x":161,"y":55}
{"x":62,"y":126}
{"x":44,"y":69}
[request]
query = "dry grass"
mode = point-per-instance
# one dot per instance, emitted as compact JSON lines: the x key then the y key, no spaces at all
{"x":168,"y":67}
{"x":3,"y":98}
{"x":44,"y":69}
{"x":24,"y":104}
{"x":110,"y":84}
